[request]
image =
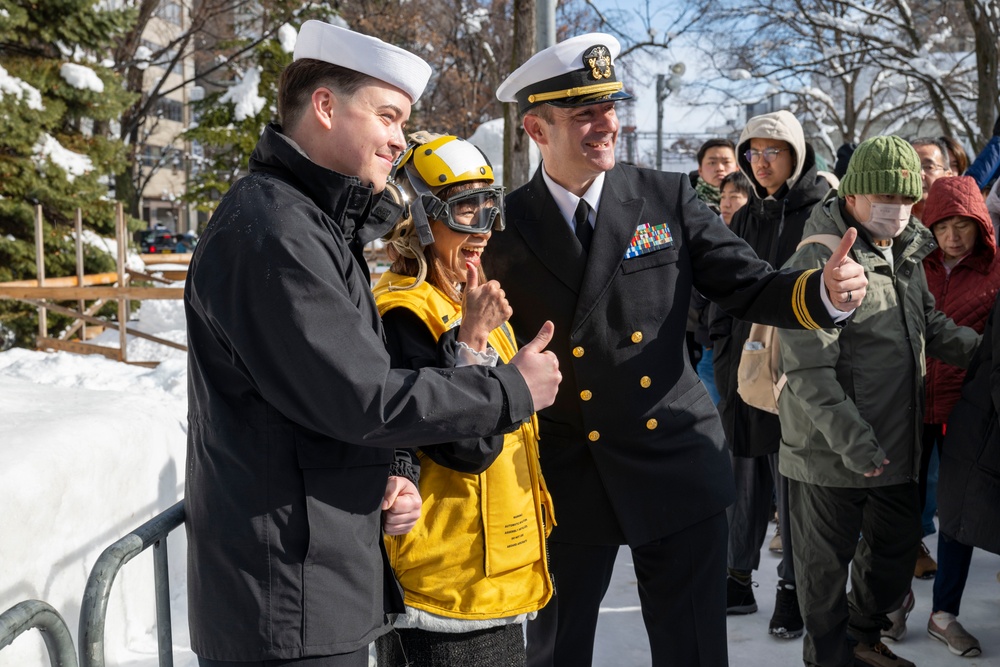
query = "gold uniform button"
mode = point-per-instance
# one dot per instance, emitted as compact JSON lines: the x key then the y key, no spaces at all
{"x":586,"y":395}
{"x":637,"y":337}
{"x":594,"y":436}
{"x":644,"y":382}
{"x":652,"y":424}
{"x":577,"y":351}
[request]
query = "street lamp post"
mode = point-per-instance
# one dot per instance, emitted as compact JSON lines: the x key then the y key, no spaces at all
{"x":664,"y":86}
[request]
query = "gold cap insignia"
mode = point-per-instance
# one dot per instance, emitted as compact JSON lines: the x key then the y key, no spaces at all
{"x":598,"y":60}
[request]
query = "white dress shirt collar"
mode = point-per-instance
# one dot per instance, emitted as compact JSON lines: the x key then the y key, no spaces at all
{"x":567,"y":201}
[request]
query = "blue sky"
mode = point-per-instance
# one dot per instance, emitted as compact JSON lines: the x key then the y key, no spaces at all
{"x":639,"y":71}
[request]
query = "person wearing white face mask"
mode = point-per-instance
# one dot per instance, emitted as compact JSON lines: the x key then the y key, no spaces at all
{"x":887,"y":217}
{"x":851,"y":413}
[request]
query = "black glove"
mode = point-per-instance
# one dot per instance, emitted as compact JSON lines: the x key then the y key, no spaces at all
{"x":996,"y":127}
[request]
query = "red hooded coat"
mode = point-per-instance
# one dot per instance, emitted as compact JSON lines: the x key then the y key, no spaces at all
{"x":967,"y":294}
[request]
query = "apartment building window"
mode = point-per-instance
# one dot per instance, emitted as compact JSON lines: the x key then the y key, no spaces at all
{"x":170,"y":12}
{"x":169,"y":109}
{"x":165,"y":57}
{"x":151,"y":155}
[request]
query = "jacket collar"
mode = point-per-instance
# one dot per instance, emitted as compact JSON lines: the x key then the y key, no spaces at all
{"x":341,"y":197}
{"x":546,"y":232}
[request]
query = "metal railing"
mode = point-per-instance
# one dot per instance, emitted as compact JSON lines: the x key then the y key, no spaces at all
{"x":37,"y":614}
{"x":94,"y":610}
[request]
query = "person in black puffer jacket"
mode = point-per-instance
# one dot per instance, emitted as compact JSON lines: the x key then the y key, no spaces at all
{"x":774,"y":155}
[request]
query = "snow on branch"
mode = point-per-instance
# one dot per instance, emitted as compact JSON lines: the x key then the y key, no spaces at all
{"x":244,"y":96}
{"x":287,"y":36}
{"x":23,"y":91}
{"x":81,"y":77}
{"x":74,"y":164}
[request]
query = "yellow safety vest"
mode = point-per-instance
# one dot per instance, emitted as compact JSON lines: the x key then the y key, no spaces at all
{"x":478,"y":550}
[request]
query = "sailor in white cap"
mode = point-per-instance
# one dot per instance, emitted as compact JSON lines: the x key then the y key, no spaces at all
{"x":632,"y":450}
{"x":294,"y":411}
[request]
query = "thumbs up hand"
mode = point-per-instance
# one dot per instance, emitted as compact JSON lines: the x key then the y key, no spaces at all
{"x":539,"y":368}
{"x":844,"y":278}
{"x":484,"y":308}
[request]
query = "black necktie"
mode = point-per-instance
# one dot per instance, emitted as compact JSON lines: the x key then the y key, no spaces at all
{"x":584,"y":230}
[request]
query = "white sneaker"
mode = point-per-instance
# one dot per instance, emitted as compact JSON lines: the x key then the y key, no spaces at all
{"x":898,"y":629}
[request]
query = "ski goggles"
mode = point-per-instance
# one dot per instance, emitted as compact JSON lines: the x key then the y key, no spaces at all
{"x":474,"y":211}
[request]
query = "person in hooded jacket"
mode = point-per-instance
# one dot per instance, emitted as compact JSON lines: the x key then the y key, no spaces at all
{"x":963,"y":273}
{"x":851,"y":413}
{"x":781,"y":166}
{"x":295,"y":412}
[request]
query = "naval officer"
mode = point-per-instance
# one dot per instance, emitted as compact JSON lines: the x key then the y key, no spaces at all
{"x":632,"y":449}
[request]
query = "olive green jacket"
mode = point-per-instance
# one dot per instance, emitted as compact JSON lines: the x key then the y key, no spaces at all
{"x":855,"y":395}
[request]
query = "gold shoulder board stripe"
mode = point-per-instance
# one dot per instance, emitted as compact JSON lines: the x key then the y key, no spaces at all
{"x":799,"y":301}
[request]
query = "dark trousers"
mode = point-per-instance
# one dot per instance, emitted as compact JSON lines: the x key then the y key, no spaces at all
{"x":933,"y":437}
{"x":501,"y":646}
{"x":750,"y":514}
{"x":357,"y":659}
{"x":826,"y":522}
{"x":954,"y":561}
{"x":682,"y":591}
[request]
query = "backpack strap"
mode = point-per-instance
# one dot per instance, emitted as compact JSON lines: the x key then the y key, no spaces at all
{"x":831,"y":241}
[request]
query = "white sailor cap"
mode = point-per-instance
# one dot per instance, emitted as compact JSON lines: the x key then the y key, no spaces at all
{"x":572,"y":73}
{"x":365,"y":54}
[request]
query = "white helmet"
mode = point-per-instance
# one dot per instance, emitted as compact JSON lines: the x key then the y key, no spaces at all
{"x":432,"y":165}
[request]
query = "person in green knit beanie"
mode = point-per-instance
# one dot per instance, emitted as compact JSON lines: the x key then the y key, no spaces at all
{"x":884,"y":166}
{"x":851,"y":415}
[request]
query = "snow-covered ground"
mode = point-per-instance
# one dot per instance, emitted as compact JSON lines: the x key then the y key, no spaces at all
{"x":621,"y":639}
{"x":93,"y":448}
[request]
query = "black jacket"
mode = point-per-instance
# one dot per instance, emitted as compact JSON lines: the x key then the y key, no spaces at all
{"x":632,"y":450}
{"x":969,"y":479}
{"x":773,"y":228}
{"x":411,"y":345}
{"x":294,"y":412}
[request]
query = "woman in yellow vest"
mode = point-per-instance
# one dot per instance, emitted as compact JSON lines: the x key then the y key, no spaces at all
{"x":474,"y":567}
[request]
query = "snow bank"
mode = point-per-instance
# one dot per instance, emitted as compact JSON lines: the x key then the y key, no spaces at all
{"x":92,"y":449}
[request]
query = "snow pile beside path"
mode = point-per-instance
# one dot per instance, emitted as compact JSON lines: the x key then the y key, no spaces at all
{"x":92,"y":449}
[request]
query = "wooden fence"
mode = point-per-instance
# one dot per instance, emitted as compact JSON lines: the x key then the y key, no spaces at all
{"x":89,"y":293}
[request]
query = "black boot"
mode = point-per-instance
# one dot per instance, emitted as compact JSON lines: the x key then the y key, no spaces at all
{"x":786,"y":623}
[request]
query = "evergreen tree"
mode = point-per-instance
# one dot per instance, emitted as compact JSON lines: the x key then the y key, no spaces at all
{"x":56,"y":93}
{"x":230,"y":121}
